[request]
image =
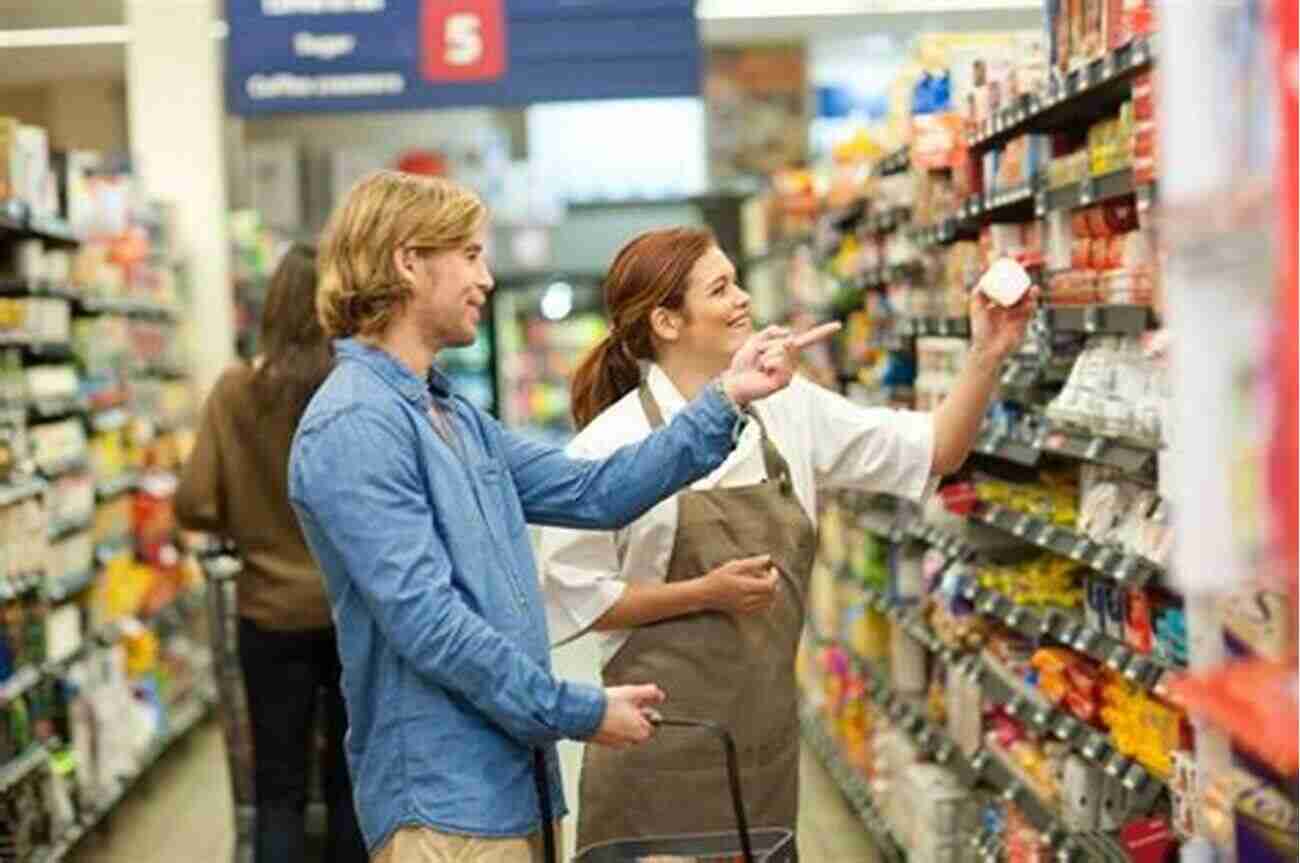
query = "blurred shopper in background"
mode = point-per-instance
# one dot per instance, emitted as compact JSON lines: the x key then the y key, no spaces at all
{"x":235,"y":485}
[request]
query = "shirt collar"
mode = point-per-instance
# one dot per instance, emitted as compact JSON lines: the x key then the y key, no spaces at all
{"x":393,"y":373}
{"x":665,"y":392}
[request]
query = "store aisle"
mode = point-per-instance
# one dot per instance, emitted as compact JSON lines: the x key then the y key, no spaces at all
{"x":182,"y":809}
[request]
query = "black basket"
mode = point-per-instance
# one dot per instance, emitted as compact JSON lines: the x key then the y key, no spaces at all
{"x":767,"y":846}
{"x":742,"y":846}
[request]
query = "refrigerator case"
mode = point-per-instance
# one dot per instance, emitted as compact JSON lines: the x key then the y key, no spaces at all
{"x":544,"y":327}
{"x":472,"y":369}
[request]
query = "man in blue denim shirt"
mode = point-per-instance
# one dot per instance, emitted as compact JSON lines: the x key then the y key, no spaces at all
{"x":415,"y":505}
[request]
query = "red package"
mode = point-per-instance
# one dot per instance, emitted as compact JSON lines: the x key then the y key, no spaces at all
{"x":1140,"y":17}
{"x":1137,"y":626}
{"x":1144,"y":96}
{"x":1084,"y":707}
{"x":1083,"y":677}
{"x":1115,"y":252}
{"x":1080,"y":253}
{"x":959,"y":498}
{"x":1121,"y":217}
{"x":1079,"y":224}
{"x":1097,"y":222}
{"x":1149,"y":840}
{"x":1100,"y":249}
{"x":1117,"y":32}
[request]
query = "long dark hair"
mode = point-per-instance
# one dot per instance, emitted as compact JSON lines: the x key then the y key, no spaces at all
{"x":296,"y":355}
{"x":649,"y":272}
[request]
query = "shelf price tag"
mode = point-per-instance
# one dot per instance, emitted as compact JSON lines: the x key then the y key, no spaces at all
{"x":1087,"y":191}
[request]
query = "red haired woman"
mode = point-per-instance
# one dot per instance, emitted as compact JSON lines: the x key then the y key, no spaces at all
{"x":704,"y":594}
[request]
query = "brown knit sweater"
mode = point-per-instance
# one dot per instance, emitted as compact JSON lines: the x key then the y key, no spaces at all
{"x":235,"y":485}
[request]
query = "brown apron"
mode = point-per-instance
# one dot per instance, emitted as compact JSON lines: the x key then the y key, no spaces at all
{"x":738,"y":671}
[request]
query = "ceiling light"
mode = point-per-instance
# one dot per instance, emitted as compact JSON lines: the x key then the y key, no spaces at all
{"x":55,"y":37}
{"x":717,"y":10}
{"x":49,"y":37}
{"x":557,"y":302}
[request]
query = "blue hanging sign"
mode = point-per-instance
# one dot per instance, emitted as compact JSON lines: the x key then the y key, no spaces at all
{"x":294,"y":56}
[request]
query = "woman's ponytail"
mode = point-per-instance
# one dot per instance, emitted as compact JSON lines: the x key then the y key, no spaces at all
{"x":605,"y":375}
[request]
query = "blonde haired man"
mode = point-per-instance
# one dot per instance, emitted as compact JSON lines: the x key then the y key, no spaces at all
{"x":415,"y":504}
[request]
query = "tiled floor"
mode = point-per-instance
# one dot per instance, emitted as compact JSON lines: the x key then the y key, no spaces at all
{"x":182,"y":812}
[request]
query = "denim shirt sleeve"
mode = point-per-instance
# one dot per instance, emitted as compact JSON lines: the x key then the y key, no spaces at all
{"x":557,"y":490}
{"x":356,"y":485}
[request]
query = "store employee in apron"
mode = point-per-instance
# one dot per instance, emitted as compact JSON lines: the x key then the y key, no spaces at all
{"x":704,"y":594}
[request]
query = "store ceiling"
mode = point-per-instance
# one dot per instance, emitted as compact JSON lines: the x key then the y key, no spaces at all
{"x":724,"y":22}
{"x":25,"y":14}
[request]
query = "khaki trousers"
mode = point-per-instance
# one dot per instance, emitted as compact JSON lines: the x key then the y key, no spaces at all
{"x":425,"y":845}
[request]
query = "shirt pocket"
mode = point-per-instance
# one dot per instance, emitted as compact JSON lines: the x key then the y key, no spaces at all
{"x":499,"y":491}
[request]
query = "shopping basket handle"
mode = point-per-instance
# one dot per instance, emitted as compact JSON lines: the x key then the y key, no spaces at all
{"x":733,"y":767}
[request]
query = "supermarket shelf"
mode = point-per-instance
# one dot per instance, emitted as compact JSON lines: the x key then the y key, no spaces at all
{"x":33,"y":758}
{"x":934,"y":326}
{"x":59,"y":407}
{"x":17,"y":221}
{"x":45,"y":288}
{"x":1131,"y":458}
{"x":878,"y":522}
{"x":184,"y":719}
{"x":109,"y":419}
{"x":59,"y":532}
{"x":20,"y":585}
{"x":19,"y":683}
{"x":999,"y":771}
{"x":851,"y":785}
{"x":166,"y":425}
{"x":21,"y":489}
{"x":1045,"y":624}
{"x":884,"y":276}
{"x":904,"y":711}
{"x":778,"y":250}
{"x":896,"y":162}
{"x":1127,"y":569}
{"x":1071,"y":100}
{"x":848,"y":217}
{"x":1128,"y":457}
{"x":1005,"y":205}
{"x":946,"y":232}
{"x":127,"y":307}
{"x":888,"y":220}
{"x":69,"y":585}
{"x":1097,"y":320}
{"x":1093,"y":190}
{"x":115,"y":487}
{"x":1027,"y":374}
{"x":163,"y":371}
{"x":44,"y":352}
{"x":951,"y":546}
{"x":1020,"y":700}
{"x":112,"y":548}
{"x":64,"y":467}
{"x":1007,"y":448}
{"x":1031,"y":708}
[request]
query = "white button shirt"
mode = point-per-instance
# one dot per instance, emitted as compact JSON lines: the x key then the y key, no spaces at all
{"x":828,"y":441}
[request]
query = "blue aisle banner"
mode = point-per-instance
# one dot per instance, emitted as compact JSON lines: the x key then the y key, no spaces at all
{"x":294,"y":56}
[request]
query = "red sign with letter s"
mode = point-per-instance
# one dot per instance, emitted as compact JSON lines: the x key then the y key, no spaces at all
{"x":463,"y":40}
